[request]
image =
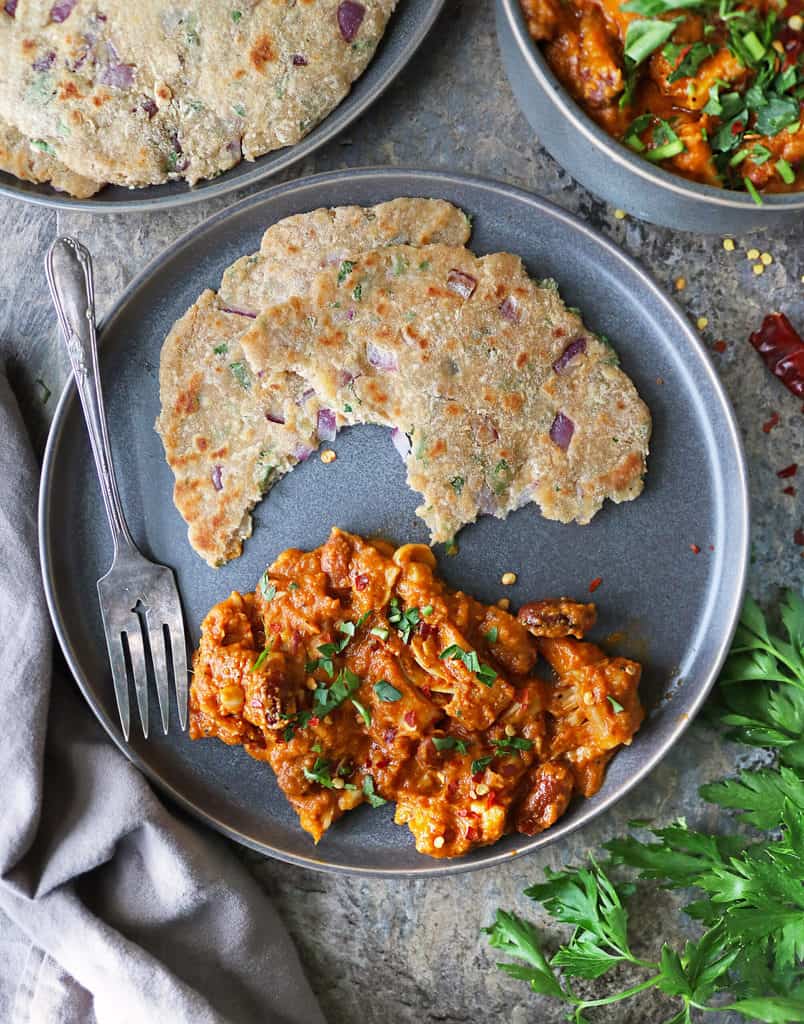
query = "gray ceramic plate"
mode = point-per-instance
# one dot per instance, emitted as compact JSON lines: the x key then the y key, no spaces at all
{"x":406,"y":31}
{"x":676,"y":609}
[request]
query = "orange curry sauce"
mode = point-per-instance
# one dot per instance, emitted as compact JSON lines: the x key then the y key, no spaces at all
{"x":361,"y":678}
{"x":718,"y":48}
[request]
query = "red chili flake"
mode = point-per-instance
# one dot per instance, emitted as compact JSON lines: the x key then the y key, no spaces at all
{"x":315,"y":720}
{"x":296,"y":641}
{"x":427,"y":692}
{"x":451,"y":790}
{"x":782,"y":350}
{"x":361,"y":581}
{"x":477,"y":777}
{"x":711,"y":547}
{"x":595,"y":584}
{"x":774,"y":420}
{"x":383,"y":762}
{"x":472,"y":834}
{"x":798,"y":537}
{"x":788,"y":471}
{"x":275,"y":627}
{"x":695,"y":549}
{"x":426,"y":631}
{"x":410,"y":718}
{"x":720,"y":346}
{"x":790,"y":490}
{"x":737,"y":127}
{"x":491,"y":799}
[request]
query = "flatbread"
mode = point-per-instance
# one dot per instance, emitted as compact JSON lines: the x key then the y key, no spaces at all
{"x":31,"y":161}
{"x":140,"y":93}
{"x":230,"y":433}
{"x":505,"y":396}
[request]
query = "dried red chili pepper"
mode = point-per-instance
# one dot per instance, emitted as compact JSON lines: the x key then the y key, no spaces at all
{"x":788,"y":471}
{"x":595,"y":584}
{"x":782,"y":350}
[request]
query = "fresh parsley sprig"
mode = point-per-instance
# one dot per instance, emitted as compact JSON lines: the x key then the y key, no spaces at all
{"x":750,"y":892}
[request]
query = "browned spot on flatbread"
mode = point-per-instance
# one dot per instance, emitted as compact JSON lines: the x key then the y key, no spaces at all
{"x":69,"y":91}
{"x":28,"y":45}
{"x":262,"y":52}
{"x":439,"y":448}
{"x":625,"y":473}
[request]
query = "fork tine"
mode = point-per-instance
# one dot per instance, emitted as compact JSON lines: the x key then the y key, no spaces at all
{"x":136,"y":650}
{"x":179,"y":648}
{"x":156,"y":641}
{"x":114,"y":645}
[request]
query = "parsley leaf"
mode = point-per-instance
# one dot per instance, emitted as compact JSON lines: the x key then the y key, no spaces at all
{"x":345,"y":270}
{"x":480,"y":764}
{"x":405,"y":621}
{"x":509,"y":744}
{"x":450,"y":743}
{"x":485,"y":673}
{"x":386,"y":693}
{"x":370,"y":793}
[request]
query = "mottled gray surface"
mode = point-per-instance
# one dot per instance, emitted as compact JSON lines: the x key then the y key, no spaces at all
{"x":399,"y":952}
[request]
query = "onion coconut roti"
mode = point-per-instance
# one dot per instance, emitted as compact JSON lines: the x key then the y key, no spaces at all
{"x":497,"y":394}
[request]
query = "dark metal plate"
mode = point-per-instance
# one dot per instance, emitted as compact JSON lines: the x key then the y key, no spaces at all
{"x":676,"y":609}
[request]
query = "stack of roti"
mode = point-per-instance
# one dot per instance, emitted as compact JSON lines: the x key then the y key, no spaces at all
{"x":140,"y":93}
{"x":498,"y":395}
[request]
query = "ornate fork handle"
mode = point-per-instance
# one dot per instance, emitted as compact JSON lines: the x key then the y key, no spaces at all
{"x":69,"y":275}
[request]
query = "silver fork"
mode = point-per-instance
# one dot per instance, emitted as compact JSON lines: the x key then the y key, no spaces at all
{"x":139,"y":600}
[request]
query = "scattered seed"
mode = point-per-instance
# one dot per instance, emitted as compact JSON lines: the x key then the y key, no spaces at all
{"x":508,"y":578}
{"x":728,"y":244}
{"x":438,"y":842}
{"x":482,"y":789}
{"x":504,"y":603}
{"x":328,"y":455}
{"x":510,"y":730}
{"x":766,"y":258}
{"x":752,"y":254}
{"x":338,"y":783}
{"x":619,"y":214}
{"x":795,"y":22}
{"x":758,"y":269}
{"x":702,"y":322}
{"x":681,"y":284}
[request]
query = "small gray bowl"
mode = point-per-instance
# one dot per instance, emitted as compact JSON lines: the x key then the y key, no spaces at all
{"x":610,"y":169}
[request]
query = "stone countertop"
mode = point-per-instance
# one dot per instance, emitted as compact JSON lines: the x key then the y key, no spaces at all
{"x":411,"y":952}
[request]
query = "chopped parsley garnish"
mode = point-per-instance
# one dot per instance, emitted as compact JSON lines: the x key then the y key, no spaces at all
{"x":405,"y":621}
{"x":241,"y":374}
{"x":511,"y":743}
{"x":239,"y":109}
{"x":293,"y":585}
{"x":386,"y":693}
{"x":297,"y":721}
{"x":316,"y":748}
{"x":267,"y":588}
{"x":357,"y":294}
{"x":686,"y":58}
{"x":785,"y":172}
{"x":362,"y":711}
{"x":236,"y":16}
{"x":480,"y":764}
{"x":370,"y":793}
{"x":492,"y":635}
{"x":43,"y":146}
{"x":484,"y":673}
{"x":399,"y":265}
{"x":262,"y":658}
{"x":457,"y":483}
{"x":345,"y":270}
{"x":221,"y":350}
{"x":450,"y":743}
{"x":320,"y":773}
{"x":427,"y":610}
{"x":327,"y":699}
{"x":616,"y":705}
{"x":381,"y":632}
{"x":424,"y":265}
{"x":328,"y":651}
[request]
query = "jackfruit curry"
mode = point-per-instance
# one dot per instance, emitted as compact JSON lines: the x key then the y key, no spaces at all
{"x":709,"y":89}
{"x":361,"y":678}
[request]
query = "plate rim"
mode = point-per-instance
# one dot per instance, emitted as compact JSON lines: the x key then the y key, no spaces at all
{"x":738,"y":500}
{"x":337,"y":121}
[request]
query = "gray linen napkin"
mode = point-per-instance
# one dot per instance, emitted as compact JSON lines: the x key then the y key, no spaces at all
{"x":111,"y":909}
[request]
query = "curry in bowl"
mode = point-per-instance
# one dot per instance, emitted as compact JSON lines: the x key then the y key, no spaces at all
{"x":361,"y":678}
{"x":709,"y":89}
